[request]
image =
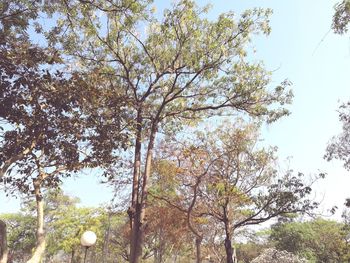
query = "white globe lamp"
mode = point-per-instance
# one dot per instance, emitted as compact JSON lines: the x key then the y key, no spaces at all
{"x":87,"y":240}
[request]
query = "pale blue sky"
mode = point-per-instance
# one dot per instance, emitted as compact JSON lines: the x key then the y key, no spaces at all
{"x":318,"y":66}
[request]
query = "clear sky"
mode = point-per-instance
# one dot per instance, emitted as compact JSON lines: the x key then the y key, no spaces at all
{"x":301,"y":48}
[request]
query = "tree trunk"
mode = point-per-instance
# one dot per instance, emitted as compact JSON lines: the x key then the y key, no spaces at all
{"x":3,"y":243}
{"x":229,"y":251}
{"x":134,"y":213}
{"x":40,"y":232}
{"x":140,"y":221}
{"x":136,"y":246}
{"x":159,"y":249}
{"x":72,"y":256}
{"x":228,"y":243}
{"x":105,"y":247}
{"x":198,"y":249}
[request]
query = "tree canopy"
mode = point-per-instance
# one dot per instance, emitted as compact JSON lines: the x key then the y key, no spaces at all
{"x":113,"y":86}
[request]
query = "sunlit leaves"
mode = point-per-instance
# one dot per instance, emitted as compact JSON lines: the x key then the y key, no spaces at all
{"x":339,"y":146}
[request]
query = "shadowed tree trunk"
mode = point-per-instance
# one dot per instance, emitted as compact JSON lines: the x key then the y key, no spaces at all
{"x":228,"y":243}
{"x":40,"y":232}
{"x":198,"y":249}
{"x":137,"y":213}
{"x":3,"y":243}
{"x":72,"y":256}
{"x":134,"y":210}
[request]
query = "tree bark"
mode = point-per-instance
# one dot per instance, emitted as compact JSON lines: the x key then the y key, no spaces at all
{"x":229,"y":251}
{"x":134,"y":213}
{"x":198,"y":249}
{"x":136,"y":249}
{"x":40,"y":232}
{"x":105,"y":247}
{"x":72,"y":256}
{"x":228,"y":243}
{"x":3,"y":243}
{"x":140,"y":221}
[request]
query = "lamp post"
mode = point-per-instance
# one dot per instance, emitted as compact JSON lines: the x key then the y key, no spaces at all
{"x":87,"y":240}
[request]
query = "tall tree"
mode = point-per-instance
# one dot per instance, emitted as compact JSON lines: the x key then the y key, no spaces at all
{"x":182,"y":69}
{"x":36,"y":147}
{"x":224,"y":177}
{"x":339,"y":147}
{"x":244,"y":187}
{"x":42,"y":134}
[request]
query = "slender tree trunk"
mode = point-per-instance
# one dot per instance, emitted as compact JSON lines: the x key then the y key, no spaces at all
{"x":40,"y":232}
{"x":105,"y":247}
{"x":72,"y":256}
{"x":140,"y":222}
{"x":136,"y":249}
{"x":134,"y":208}
{"x":3,"y":243}
{"x":159,"y":250}
{"x":228,"y":243}
{"x":161,"y":245}
{"x":175,"y":257}
{"x":229,"y":251}
{"x":198,"y":242}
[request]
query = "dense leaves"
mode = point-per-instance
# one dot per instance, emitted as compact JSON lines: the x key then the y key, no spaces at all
{"x":341,"y":17}
{"x":222,"y":177}
{"x":99,"y":84}
{"x":318,"y":240}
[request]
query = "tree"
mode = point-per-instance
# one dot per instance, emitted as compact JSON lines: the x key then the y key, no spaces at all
{"x":318,"y":240}
{"x":3,"y":242}
{"x":45,"y":135}
{"x":22,"y":104}
{"x":243,"y":186}
{"x":178,"y":174}
{"x":167,"y":233}
{"x":14,"y":19}
{"x":222,"y":177}
{"x":339,"y":147}
{"x":36,"y":147}
{"x":184,"y":69}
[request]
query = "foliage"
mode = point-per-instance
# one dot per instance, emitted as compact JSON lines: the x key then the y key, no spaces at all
{"x":341,"y":17}
{"x":21,"y":235}
{"x":275,"y":256}
{"x":65,"y":223}
{"x":183,"y":69}
{"x":120,"y":88}
{"x":44,"y":131}
{"x":222,"y":177}
{"x":339,"y":147}
{"x":246,"y":252}
{"x":318,"y":240}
